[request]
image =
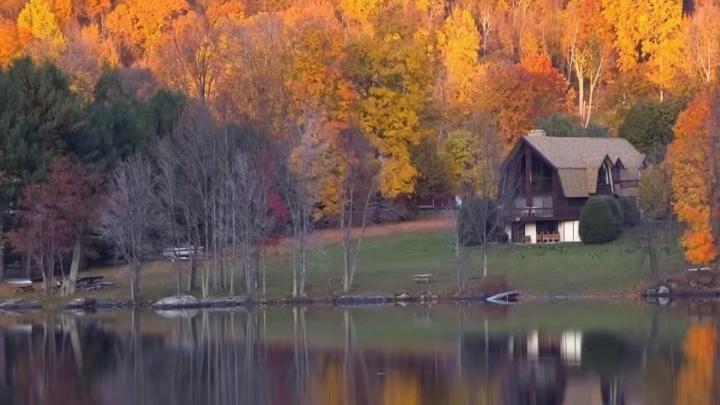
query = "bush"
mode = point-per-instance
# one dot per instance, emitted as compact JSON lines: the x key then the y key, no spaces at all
{"x":477,"y":216}
{"x":617,"y":210}
{"x":631,"y":212}
{"x":598,"y":222}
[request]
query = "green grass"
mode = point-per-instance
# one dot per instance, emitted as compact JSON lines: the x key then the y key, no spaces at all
{"x":387,"y":264}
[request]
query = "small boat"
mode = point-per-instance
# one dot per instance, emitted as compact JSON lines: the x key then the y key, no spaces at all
{"x":504,"y":298}
{"x":19,"y":282}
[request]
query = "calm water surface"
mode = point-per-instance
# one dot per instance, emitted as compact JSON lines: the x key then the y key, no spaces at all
{"x":547,"y":353}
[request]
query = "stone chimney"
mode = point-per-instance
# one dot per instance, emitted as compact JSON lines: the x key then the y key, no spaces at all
{"x":537,"y":132}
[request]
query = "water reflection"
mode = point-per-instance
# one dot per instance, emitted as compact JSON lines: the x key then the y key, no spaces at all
{"x":639,"y":355}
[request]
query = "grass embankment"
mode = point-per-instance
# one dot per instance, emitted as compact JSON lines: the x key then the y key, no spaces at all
{"x":391,"y":254}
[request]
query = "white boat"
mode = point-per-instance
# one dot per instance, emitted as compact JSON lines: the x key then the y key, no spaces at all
{"x":504,"y":298}
{"x":19,"y":282}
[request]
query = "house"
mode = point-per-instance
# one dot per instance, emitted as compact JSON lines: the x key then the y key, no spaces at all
{"x":546,"y":180}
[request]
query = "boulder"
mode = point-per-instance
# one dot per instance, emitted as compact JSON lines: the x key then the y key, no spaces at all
{"x":80,"y":303}
{"x":177,"y":301}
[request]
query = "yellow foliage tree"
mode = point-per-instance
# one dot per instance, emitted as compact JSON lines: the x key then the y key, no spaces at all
{"x":692,"y":161}
{"x":587,"y":41}
{"x":460,"y":45}
{"x":38,"y":19}
{"x":394,"y":71}
{"x":139,"y":24}
{"x":648,"y":32}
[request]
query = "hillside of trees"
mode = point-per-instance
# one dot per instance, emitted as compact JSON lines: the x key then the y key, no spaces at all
{"x":246,"y":120}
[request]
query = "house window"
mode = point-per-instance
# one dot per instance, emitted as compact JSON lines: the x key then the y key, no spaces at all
{"x":603,"y":177}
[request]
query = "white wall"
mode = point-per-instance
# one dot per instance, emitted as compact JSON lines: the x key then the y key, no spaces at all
{"x":508,"y":232}
{"x":569,"y":231}
{"x":531,"y":231}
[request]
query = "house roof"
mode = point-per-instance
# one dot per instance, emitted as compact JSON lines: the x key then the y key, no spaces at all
{"x":577,"y":159}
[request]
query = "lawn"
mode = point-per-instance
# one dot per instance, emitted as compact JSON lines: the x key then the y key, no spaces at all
{"x":388,"y":261}
{"x":387,"y":264}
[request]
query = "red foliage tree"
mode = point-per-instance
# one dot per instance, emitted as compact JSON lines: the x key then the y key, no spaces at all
{"x":53,"y":215}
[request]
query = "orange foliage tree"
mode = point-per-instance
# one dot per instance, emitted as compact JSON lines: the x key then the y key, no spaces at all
{"x":693,"y":163}
{"x":9,"y":42}
{"x":519,"y":94}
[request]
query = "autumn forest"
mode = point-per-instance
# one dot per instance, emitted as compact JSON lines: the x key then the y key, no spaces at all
{"x":227,"y":124}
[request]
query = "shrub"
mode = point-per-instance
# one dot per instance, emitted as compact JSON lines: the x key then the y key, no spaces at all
{"x":617,"y":210}
{"x":631,"y":212}
{"x":598,"y":223}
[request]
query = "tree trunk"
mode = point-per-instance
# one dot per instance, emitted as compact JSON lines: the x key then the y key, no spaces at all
{"x":485,"y":259}
{"x":192,"y":277}
{"x":134,"y":268}
{"x":2,"y":253}
{"x":458,"y":263}
{"x":75,"y":265}
{"x":652,"y":250}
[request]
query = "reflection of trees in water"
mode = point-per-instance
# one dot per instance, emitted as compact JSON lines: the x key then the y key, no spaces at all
{"x":225,"y":358}
{"x":695,"y":383}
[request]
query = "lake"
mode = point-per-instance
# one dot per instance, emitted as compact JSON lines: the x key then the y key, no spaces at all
{"x":533,"y":353}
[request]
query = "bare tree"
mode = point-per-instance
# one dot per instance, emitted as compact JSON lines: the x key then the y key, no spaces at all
{"x":358,"y":188}
{"x":477,"y":225}
{"x":251,"y":187}
{"x":300,"y":186}
{"x":130,"y":214}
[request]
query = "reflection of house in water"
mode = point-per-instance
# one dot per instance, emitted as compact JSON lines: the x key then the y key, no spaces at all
{"x":565,"y":368}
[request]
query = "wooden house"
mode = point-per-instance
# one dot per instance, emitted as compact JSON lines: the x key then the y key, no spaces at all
{"x":546,"y":180}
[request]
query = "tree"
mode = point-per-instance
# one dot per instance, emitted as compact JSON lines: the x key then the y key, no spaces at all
{"x":53,"y":216}
{"x":129,"y":215}
{"x":562,"y":126}
{"x":648,"y":33}
{"x":121,"y":122}
{"x":655,"y":203}
{"x":319,"y":109}
{"x":38,"y":19}
{"x":587,"y":41}
{"x":251,"y":193}
{"x":460,"y":45}
{"x":10,"y":45}
{"x":137,"y":25}
{"x":192,"y":55}
{"x":434,"y":178}
{"x":478,"y":223}
{"x":39,"y":117}
{"x":517,"y":95}
{"x":649,"y":127}
{"x":359,"y":187}
{"x":692,"y":158}
{"x":474,"y":156}
{"x":392,"y":71}
{"x":704,"y":42}
{"x":42,"y":232}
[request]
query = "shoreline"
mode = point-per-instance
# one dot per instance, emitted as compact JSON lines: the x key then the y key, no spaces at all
{"x":91,"y":304}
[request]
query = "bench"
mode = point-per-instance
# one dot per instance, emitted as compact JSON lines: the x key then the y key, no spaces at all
{"x":422,"y":278}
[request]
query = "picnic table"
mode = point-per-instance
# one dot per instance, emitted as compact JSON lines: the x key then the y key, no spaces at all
{"x":422,"y":278}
